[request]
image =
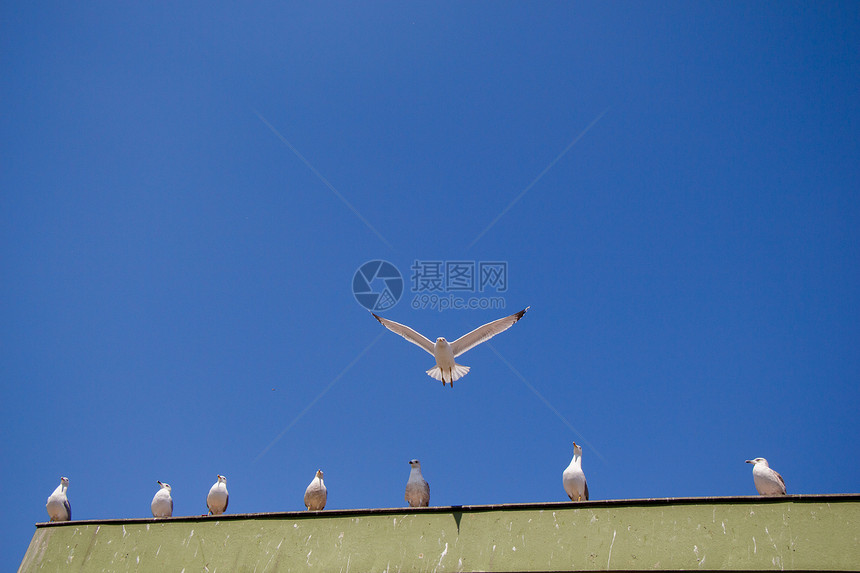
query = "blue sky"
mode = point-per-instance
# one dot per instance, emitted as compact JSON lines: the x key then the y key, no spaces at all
{"x":187,"y":191}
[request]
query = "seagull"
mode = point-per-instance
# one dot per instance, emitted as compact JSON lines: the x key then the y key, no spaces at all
{"x":573,"y":478}
{"x":315,"y":494}
{"x":162,"y":503}
{"x":767,"y":481}
{"x":444,"y":352}
{"x":417,"y":488}
{"x":218,"y":497}
{"x":58,"y":505}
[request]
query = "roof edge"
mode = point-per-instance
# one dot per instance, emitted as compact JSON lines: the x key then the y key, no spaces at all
{"x":658,"y":501}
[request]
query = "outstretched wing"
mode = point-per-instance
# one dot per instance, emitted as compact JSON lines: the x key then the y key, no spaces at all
{"x":483,"y":333}
{"x":407,"y":333}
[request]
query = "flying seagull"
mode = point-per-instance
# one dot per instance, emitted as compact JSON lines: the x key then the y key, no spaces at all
{"x":162,"y":503}
{"x":573,"y":478}
{"x":58,"y":505}
{"x":767,"y":481}
{"x":444,"y":352}
{"x":315,"y":494}
{"x":218,"y":498}
{"x":417,"y":488}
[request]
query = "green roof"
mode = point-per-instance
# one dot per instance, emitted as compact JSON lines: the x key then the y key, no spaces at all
{"x":791,"y":532}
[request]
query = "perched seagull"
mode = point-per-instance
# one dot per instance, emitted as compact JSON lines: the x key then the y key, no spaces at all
{"x":573,"y":478}
{"x":162,"y":503}
{"x":444,"y":352}
{"x":58,"y":505}
{"x":417,"y":488}
{"x":218,"y":497}
{"x":315,"y":494}
{"x":767,"y":481}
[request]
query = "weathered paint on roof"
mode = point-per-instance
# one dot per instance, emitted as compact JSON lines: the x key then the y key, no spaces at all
{"x":792,"y":532}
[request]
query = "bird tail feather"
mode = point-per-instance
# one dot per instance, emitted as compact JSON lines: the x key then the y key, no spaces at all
{"x":457,"y":372}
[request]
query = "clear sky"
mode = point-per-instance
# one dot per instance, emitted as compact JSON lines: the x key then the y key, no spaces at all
{"x":187,"y":191}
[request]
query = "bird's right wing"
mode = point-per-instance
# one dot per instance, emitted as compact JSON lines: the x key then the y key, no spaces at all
{"x":407,"y":333}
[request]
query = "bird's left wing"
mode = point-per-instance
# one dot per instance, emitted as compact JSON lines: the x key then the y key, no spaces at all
{"x":486,"y":332}
{"x":407,"y":333}
{"x":68,"y":508}
{"x":782,"y":481}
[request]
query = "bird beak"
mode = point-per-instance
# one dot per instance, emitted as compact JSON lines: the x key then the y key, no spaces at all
{"x":749,"y":462}
{"x":158,"y":482}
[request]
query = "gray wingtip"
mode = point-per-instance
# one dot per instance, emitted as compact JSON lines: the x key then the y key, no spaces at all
{"x":376,"y":317}
{"x":520,"y":314}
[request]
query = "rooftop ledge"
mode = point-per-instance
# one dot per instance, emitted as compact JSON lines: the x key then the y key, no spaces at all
{"x":795,"y":532}
{"x":535,"y":506}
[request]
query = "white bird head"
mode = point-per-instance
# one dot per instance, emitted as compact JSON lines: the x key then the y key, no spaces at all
{"x":320,"y":474}
{"x":577,"y":449}
{"x":221,"y":479}
{"x":416,"y":463}
{"x":64,"y":481}
{"x":164,"y":485}
{"x":758,"y":461}
{"x":440,"y":340}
